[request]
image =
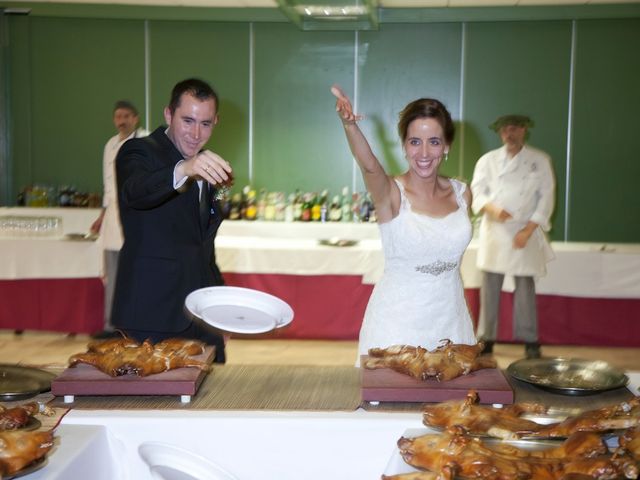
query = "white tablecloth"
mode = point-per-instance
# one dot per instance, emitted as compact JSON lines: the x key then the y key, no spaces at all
{"x":51,"y":257}
{"x":580,"y":269}
{"x":255,"y":444}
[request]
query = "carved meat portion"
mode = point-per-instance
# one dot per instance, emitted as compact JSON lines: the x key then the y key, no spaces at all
{"x":630,"y":441}
{"x":505,"y":423}
{"x":453,"y":454}
{"x":614,"y":417}
{"x":444,"y":363}
{"x":19,"y":449}
{"x":117,"y":357}
{"x":17,"y":417}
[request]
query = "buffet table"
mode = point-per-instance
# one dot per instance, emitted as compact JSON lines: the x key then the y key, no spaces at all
{"x":54,"y":283}
{"x":48,"y":282}
{"x":587,"y":286}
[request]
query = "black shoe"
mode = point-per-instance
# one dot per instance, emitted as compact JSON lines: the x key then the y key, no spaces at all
{"x":532,"y":350}
{"x":105,"y":334}
{"x":488,"y":347}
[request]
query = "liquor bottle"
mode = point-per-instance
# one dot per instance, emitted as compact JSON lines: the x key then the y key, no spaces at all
{"x":355,"y":207}
{"x":270,"y":206}
{"x":306,"y":208}
{"x":279,"y":205}
{"x":261,"y":205}
{"x":346,"y":205}
{"x":236,"y":206}
{"x":288,"y":209}
{"x":297,"y":206}
{"x":243,"y":202}
{"x":319,"y":205}
{"x":225,"y":203}
{"x":365,"y":207}
{"x":335,"y":210}
{"x":251,"y":211}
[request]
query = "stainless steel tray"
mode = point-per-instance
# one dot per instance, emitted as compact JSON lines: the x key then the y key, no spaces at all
{"x":568,"y":376}
{"x":19,"y":383}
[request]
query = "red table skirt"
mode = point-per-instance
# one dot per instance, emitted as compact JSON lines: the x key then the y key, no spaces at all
{"x":70,"y":305}
{"x":332,"y":307}
{"x":326,"y":307}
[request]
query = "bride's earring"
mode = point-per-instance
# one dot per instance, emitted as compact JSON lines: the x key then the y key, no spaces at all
{"x":446,"y":156}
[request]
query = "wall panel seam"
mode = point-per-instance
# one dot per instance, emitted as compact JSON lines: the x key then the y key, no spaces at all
{"x":356,"y":94}
{"x":251,"y":100}
{"x":147,"y":60}
{"x":572,"y":64}
{"x":463,"y":52}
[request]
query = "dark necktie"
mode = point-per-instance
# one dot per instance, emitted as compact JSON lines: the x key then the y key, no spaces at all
{"x":205,"y":202}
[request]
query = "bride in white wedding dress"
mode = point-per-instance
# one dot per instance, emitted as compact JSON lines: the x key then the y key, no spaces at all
{"x":424,"y":227}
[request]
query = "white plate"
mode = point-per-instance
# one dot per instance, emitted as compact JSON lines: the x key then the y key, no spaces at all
{"x":168,"y":462}
{"x":239,"y":310}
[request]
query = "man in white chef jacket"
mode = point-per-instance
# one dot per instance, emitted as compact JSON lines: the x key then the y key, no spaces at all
{"x":125,"y":119}
{"x":514,"y":189}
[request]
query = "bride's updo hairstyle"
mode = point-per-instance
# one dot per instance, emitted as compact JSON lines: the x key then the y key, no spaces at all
{"x":427,"y":108}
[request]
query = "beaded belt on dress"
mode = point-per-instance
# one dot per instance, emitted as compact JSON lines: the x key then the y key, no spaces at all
{"x":437,"y":267}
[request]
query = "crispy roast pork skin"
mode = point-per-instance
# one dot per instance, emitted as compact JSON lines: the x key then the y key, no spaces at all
{"x":19,"y":449}
{"x":447,"y":361}
{"x":507,"y":423}
{"x":117,"y":357}
{"x":475,"y":419}
{"x":452,"y":454}
{"x":17,"y":417}
{"x":630,"y":441}
{"x":614,"y":417}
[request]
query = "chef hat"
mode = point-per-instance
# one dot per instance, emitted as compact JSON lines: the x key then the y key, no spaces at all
{"x":517,"y":120}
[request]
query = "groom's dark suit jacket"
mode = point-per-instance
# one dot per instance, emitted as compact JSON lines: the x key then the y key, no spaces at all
{"x":168,"y":248}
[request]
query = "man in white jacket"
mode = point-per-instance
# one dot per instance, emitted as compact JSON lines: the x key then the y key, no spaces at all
{"x":514,"y":189}
{"x":125,"y":119}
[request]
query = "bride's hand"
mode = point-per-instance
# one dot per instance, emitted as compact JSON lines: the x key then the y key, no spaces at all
{"x":343,"y":106}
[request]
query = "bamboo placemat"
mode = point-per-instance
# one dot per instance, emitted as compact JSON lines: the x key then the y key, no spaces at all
{"x":250,"y":387}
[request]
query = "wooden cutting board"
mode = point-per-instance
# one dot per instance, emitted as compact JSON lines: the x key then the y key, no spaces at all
{"x":386,"y":385}
{"x":85,"y":379}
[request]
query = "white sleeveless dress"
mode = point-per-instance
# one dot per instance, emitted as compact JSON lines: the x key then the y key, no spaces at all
{"x":420,"y":298}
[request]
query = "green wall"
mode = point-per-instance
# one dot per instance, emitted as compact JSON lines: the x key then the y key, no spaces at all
{"x":576,"y":78}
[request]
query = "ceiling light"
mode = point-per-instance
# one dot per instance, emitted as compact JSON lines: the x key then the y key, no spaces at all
{"x":332,"y":14}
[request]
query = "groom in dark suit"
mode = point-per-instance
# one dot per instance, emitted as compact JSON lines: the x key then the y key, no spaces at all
{"x":166,"y":195}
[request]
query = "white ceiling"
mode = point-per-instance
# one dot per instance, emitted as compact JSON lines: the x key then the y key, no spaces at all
{"x":382,"y":3}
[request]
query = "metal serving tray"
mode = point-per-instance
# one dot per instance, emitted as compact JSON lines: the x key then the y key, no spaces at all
{"x":569,"y":376}
{"x":19,"y":383}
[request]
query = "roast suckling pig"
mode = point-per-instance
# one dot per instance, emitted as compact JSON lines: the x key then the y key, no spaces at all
{"x":446,"y":362}
{"x":507,"y":423}
{"x":615,"y":417}
{"x":477,"y":419}
{"x":117,"y":357}
{"x":17,"y":417}
{"x":19,"y":449}
{"x":452,"y":454}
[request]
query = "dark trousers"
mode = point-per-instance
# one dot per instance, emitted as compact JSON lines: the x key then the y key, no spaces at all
{"x":525,"y":315}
